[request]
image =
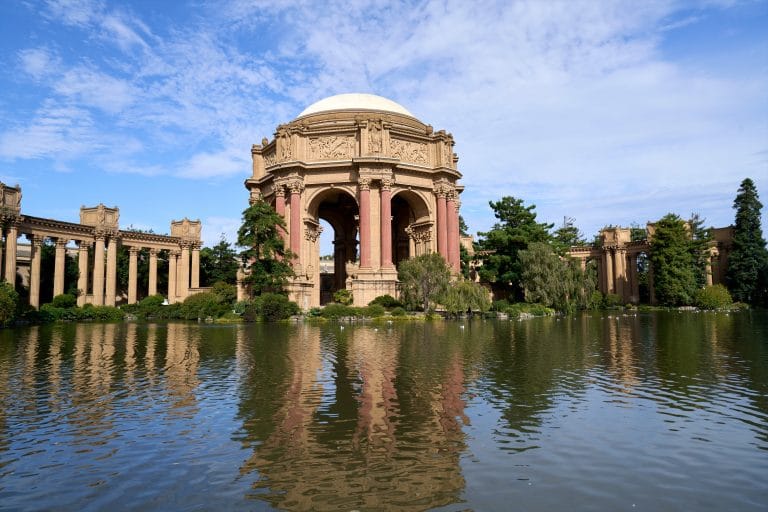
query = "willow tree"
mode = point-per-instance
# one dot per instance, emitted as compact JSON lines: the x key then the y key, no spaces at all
{"x":423,"y":280}
{"x":265,"y":258}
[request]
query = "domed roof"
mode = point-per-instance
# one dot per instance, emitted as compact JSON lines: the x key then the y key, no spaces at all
{"x":355,"y":102}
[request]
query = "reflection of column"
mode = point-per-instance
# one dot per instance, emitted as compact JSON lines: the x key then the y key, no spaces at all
{"x":195,"y":266}
{"x":59,"y":265}
{"x":184,"y":285}
{"x":386,"y":223}
{"x":453,"y":231}
{"x":634,"y":278}
{"x":620,"y":260}
{"x":296,"y":221}
{"x":10,"y":254}
{"x":82,"y":267}
{"x":280,"y":209}
{"x":152,"y":272}
{"x":442,"y":226}
{"x":172,"y":276}
{"x":34,"y":274}
{"x":133,"y":264}
{"x":364,"y":185}
{"x":98,"y":271}
{"x":109,"y":299}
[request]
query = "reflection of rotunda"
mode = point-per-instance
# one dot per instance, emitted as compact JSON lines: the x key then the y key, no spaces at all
{"x":385,"y":182}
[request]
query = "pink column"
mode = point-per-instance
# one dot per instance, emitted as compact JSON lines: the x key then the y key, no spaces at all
{"x":453,"y":233}
{"x":280,"y":208}
{"x":442,"y":226}
{"x":296,"y":221}
{"x":365,"y":222}
{"x":386,"y":223}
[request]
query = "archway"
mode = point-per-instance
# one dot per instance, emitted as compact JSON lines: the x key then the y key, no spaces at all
{"x":411,"y":227}
{"x":337,"y":209}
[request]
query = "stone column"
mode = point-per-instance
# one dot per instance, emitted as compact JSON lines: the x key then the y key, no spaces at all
{"x":182,"y":285}
{"x":280,"y":209}
{"x":111,"y":291}
{"x":10,"y":253}
{"x":98,"y":271}
{"x":196,"y":266}
{"x":172,"y":255}
{"x":708,"y":269}
{"x":453,"y":232}
{"x":152,"y":272}
{"x":442,"y":226}
{"x":59,"y":266}
{"x":386,"y":223}
{"x":609,"y":282}
{"x":133,"y":268}
{"x":34,"y":271}
{"x":364,"y":186}
{"x":82,"y":267}
{"x":296,"y":221}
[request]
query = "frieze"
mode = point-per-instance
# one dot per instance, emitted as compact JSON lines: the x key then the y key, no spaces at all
{"x":408,"y":151}
{"x":332,"y":147}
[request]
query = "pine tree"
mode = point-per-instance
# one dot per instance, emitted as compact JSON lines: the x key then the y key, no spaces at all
{"x":674,"y":271}
{"x":748,"y":260}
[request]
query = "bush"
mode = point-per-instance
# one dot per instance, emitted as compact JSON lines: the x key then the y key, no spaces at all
{"x":64,"y":301}
{"x":500,"y":305}
{"x":335,"y":311}
{"x":595,"y":300}
{"x":343,"y":296}
{"x":398,"y":311}
{"x":315,"y":312}
{"x":9,"y":302}
{"x":523,"y":308}
{"x":375,"y":310}
{"x":386,"y":301}
{"x":713,"y":297}
{"x":611,"y":301}
{"x":227,"y":292}
{"x":277,"y":307}
{"x":150,"y":306}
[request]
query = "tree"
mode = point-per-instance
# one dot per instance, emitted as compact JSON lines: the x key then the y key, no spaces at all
{"x":517,"y":227}
{"x":9,"y":301}
{"x":265,"y":259}
{"x":555,"y":281}
{"x":218,"y":263}
{"x":674,"y":274}
{"x":423,"y":280}
{"x":567,"y":236}
{"x":637,"y":233}
{"x":466,"y":297}
{"x":748,"y":260}
{"x":699,"y":247}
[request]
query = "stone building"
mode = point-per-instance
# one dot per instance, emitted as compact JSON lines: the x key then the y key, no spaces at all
{"x":383,"y":180}
{"x":98,"y":237}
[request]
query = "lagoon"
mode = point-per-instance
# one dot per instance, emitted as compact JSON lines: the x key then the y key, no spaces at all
{"x":635,"y":411}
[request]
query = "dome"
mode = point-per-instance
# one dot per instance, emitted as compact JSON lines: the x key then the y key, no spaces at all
{"x":355,"y":102}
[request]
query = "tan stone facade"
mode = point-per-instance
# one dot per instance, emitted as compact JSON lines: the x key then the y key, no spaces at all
{"x":617,"y":261}
{"x":385,"y":182}
{"x":98,"y":237}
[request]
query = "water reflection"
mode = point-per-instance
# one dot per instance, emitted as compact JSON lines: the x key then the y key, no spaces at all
{"x":597,"y":408}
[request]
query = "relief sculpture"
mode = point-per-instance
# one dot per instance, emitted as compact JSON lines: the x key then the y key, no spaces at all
{"x":334,"y":147}
{"x":407,"y":151}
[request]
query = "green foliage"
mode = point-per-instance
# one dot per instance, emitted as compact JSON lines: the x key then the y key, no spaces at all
{"x":265,"y":259}
{"x":397,"y":311}
{"x":375,"y":310}
{"x":567,"y":236}
{"x":50,"y":313}
{"x":554,"y":281}
{"x":423,"y":280}
{"x":700,"y":238}
{"x":526,"y":309}
{"x":595,"y":300}
{"x":500,"y":305}
{"x":713,"y":297}
{"x":637,"y":233}
{"x":387,"y":301}
{"x":343,"y":296}
{"x":269,"y":307}
{"x":64,"y":301}
{"x":674,"y":274}
{"x":227,"y":292}
{"x":516,"y":229}
{"x":204,"y":305}
{"x":466,"y":296}
{"x":9,"y":302}
{"x":218,"y":263}
{"x":335,"y":311}
{"x":611,"y":301}
{"x":748,"y":260}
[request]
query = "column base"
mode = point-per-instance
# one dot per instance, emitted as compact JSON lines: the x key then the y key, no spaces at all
{"x":369,"y":284}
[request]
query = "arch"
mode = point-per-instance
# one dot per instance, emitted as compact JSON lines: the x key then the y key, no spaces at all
{"x":411,"y":226}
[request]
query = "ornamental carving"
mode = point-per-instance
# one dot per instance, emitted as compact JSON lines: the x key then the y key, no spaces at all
{"x":364,"y":183}
{"x":284,"y":145}
{"x":295,"y":186}
{"x":386,"y":183}
{"x":269,"y":159}
{"x":419,"y":232}
{"x":312,"y":231}
{"x":408,"y":151}
{"x":332,"y":147}
{"x":375,"y":135}
{"x":447,"y":155}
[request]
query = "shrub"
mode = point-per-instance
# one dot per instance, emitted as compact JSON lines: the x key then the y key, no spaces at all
{"x":595,"y":300}
{"x":334,"y":310}
{"x":9,"y":302}
{"x":227,"y":292}
{"x":375,"y":310}
{"x":150,"y":306}
{"x":398,"y":311}
{"x":523,"y":308}
{"x":611,"y":301}
{"x":64,"y":301}
{"x":713,"y":297}
{"x":386,"y":301}
{"x":101,"y":314}
{"x":500,"y":305}
{"x":277,"y":307}
{"x":314,"y":312}
{"x":343,"y":296}
{"x":203,"y":305}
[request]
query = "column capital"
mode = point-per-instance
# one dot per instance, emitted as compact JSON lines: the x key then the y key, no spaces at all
{"x":386,"y":183}
{"x":153,"y":251}
{"x":296,"y":186}
{"x":279,"y":190}
{"x":36,"y":240}
{"x":84,"y":244}
{"x":364,"y":183}
{"x":61,"y":242}
{"x":134,"y":249}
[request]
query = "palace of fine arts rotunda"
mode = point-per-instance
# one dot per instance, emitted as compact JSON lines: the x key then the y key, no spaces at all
{"x":385,"y":182}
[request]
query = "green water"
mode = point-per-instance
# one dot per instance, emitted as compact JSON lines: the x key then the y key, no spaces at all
{"x":660,"y":411}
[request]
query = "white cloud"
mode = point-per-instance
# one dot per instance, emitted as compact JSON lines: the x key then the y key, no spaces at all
{"x":215,"y":227}
{"x":38,"y":62}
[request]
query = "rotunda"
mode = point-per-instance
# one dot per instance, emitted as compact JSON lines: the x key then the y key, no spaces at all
{"x":382,"y":179}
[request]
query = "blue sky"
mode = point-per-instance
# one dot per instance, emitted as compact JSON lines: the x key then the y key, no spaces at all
{"x":610,"y":112}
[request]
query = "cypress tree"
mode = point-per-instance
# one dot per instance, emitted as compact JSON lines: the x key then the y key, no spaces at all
{"x":748,"y":260}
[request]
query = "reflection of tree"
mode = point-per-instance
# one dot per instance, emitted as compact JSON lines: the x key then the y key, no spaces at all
{"x":345,"y":437}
